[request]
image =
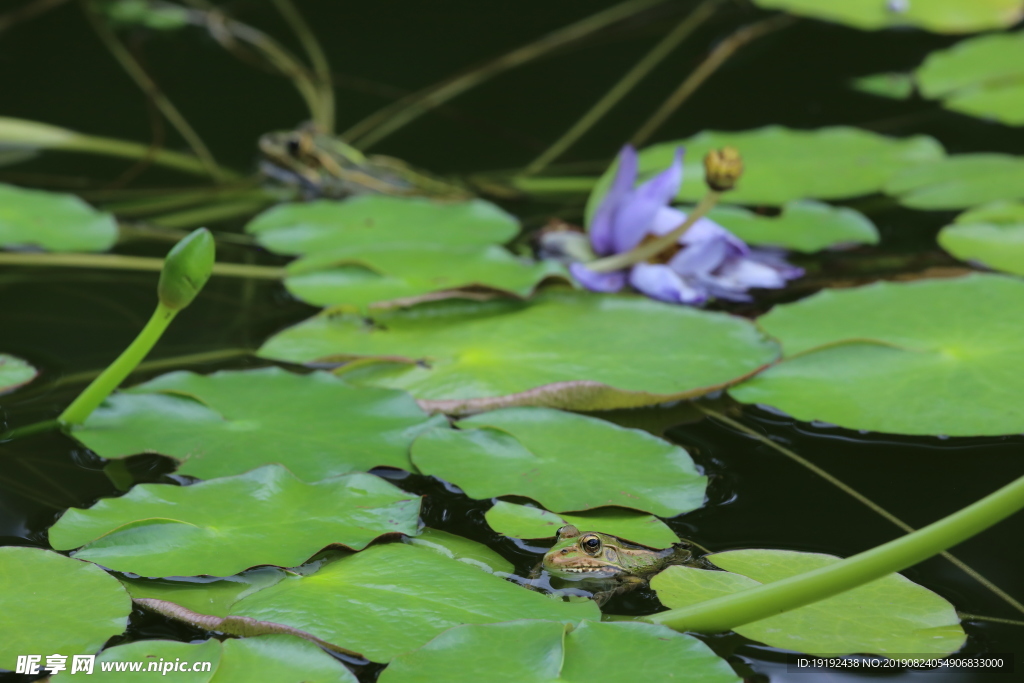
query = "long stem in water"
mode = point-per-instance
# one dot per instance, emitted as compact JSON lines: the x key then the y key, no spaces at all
{"x":321,"y":68}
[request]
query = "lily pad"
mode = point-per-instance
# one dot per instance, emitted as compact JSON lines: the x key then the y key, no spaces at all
{"x":890,"y":615}
{"x":391,"y":598}
{"x":900,"y":358}
{"x":806,"y":226}
{"x":368,"y":220}
{"x":53,"y":603}
{"x":461,"y":549}
{"x":981,"y":76}
{"x":222,"y":526}
{"x":895,"y":85}
{"x":52,"y":221}
{"x":204,"y":595}
{"x":563,"y":461}
{"x":522,"y":521}
{"x":404,"y":273}
{"x":14,"y":373}
{"x":960,"y":181}
{"x":940,"y":16}
{"x":268,"y":659}
{"x":229,"y":422}
{"x":543,"y":651}
{"x":561,"y":349}
{"x":992,"y":235}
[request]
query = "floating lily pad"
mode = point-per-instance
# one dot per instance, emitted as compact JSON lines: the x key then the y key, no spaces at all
{"x":940,"y":16}
{"x":561,"y":349}
{"x":14,"y":373}
{"x":222,"y":526}
{"x":53,"y":603}
{"x":52,"y":221}
{"x":806,"y":226}
{"x":315,"y":227}
{"x":895,"y":86}
{"x":229,"y":422}
{"x":404,"y":273}
{"x":461,"y":549}
{"x":563,"y":461}
{"x":992,"y":235}
{"x":960,"y":181}
{"x":391,"y":598}
{"x":268,"y":659}
{"x":203,"y":595}
{"x":522,"y":521}
{"x":901,"y":358}
{"x":545,"y":651}
{"x":890,"y":615}
{"x":981,"y":76}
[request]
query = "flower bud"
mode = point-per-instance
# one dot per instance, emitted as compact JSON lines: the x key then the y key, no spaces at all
{"x":722,"y":168}
{"x":186,"y":269}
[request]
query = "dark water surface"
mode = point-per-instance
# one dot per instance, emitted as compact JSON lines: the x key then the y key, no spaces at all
{"x":67,"y":321}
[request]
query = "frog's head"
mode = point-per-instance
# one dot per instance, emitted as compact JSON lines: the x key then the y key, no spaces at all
{"x":584,"y":555}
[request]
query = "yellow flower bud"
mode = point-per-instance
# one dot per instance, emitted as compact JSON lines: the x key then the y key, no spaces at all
{"x":722,"y":168}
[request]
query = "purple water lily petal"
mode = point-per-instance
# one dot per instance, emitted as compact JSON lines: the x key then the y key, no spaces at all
{"x":598,"y":282}
{"x":661,"y":282}
{"x":637,"y":210}
{"x":604,"y":218}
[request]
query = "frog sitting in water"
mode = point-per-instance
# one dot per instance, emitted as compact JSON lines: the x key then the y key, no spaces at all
{"x":607,"y":565}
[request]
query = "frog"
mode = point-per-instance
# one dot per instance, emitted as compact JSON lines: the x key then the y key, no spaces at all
{"x":323,"y":165}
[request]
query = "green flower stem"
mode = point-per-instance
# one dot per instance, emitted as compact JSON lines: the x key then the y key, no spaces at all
{"x":109,"y":379}
{"x":761,"y":602}
{"x":647,"y":250}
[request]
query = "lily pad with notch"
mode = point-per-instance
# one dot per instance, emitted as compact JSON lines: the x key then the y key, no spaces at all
{"x":523,"y":521}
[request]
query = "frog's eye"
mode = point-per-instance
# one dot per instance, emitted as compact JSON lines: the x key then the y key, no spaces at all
{"x":591,"y":543}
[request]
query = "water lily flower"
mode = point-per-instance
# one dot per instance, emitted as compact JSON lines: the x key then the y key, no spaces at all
{"x":708,"y":260}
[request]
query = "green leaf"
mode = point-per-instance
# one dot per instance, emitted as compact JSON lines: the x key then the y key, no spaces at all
{"x":394,"y":597}
{"x":222,"y":526}
{"x":992,"y":235}
{"x":563,"y":461}
{"x":960,"y":181}
{"x":896,"y":86}
{"x":806,"y":226}
{"x":462,"y":549}
{"x":52,"y":221}
{"x":205,"y":596}
{"x":405,"y":272}
{"x":367,"y":220}
{"x":230,"y":422}
{"x":890,"y":615}
{"x":268,"y":659}
{"x":561,"y":349}
{"x":901,"y":358}
{"x":14,"y":373}
{"x":521,"y":521}
{"x":543,"y":651}
{"x":940,"y":16}
{"x":981,"y":76}
{"x":53,"y":603}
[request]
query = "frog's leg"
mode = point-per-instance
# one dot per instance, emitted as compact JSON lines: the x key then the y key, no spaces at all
{"x":627,"y":584}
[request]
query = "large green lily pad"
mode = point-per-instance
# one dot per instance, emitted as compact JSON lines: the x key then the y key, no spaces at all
{"x":205,"y":596}
{"x":806,"y":226}
{"x":940,"y":16}
{"x":268,"y":659}
{"x":229,"y":422}
{"x":545,"y":651}
{"x":14,"y":373}
{"x":316,"y":227}
{"x":222,"y":526}
{"x":982,"y":76}
{"x":925,"y":357}
{"x":563,"y":461}
{"x":992,"y":235}
{"x":960,"y":181}
{"x":53,"y":603}
{"x":523,"y":521}
{"x":461,"y":549}
{"x":562,"y":349}
{"x":890,"y":615}
{"x":52,"y":221}
{"x":391,"y":598}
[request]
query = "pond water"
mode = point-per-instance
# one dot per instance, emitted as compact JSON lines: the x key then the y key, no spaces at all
{"x":70,"y":321}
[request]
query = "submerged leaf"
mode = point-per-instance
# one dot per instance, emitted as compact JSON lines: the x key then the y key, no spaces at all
{"x":521,"y":521}
{"x":897,"y":86}
{"x":563,"y":461}
{"x":14,"y":373}
{"x":889,"y":615}
{"x":51,"y":603}
{"x":960,"y":181}
{"x":222,"y":526}
{"x":940,"y":16}
{"x":901,"y":358}
{"x":52,"y":221}
{"x":806,"y":226}
{"x":562,"y":349}
{"x":992,"y":235}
